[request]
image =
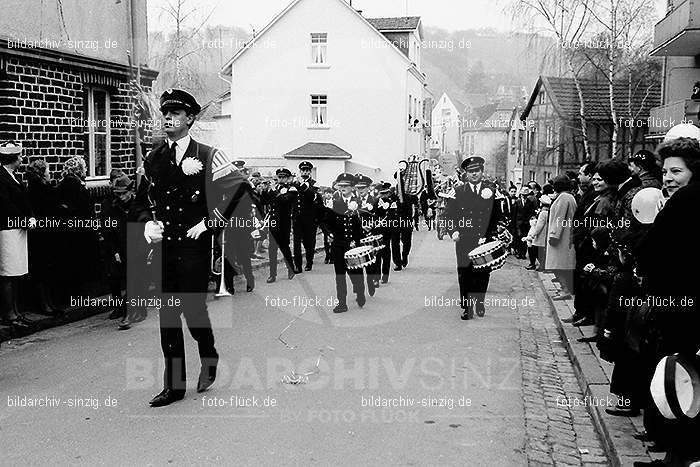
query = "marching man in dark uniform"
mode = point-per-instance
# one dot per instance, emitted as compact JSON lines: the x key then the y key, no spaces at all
{"x":281,"y":201}
{"x":305,"y":215}
{"x":238,"y":241}
{"x":472,"y":218}
{"x":367,"y":211}
{"x":384,"y":213}
{"x":182,"y":191}
{"x":402,"y":231}
{"x":342,"y":222}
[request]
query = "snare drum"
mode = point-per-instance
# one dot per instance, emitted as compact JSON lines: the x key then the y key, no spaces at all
{"x":489,"y":256}
{"x":375,"y":241}
{"x":360,"y":257}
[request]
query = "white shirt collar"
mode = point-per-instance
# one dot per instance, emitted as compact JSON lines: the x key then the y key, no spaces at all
{"x":181,"y":148}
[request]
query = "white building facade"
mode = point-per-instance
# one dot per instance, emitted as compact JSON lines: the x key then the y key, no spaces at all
{"x":447,"y":125}
{"x":320,"y":75}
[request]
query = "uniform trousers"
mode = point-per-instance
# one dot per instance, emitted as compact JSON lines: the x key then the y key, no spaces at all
{"x":279,"y":240}
{"x":383,"y":261}
{"x":185,"y":277}
{"x":473,"y":283}
{"x":304,"y":233}
{"x":357,"y":277}
{"x":401,"y":244}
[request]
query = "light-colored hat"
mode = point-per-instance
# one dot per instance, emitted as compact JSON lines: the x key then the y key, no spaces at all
{"x":10,"y":147}
{"x":545,"y":199}
{"x":683,"y":130}
{"x":675,"y":387}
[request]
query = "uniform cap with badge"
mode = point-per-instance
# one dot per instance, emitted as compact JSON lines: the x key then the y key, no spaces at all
{"x":345,"y":179}
{"x":174,"y":99}
{"x":473,"y":163}
{"x":306,"y":165}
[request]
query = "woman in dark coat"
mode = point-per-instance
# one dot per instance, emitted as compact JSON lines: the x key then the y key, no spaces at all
{"x":42,"y":241}
{"x":16,"y":218}
{"x":78,"y":237}
{"x":667,"y":254}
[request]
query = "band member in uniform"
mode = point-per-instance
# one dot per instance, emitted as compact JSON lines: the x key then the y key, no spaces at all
{"x":472,"y":219}
{"x":182,"y":190}
{"x":239,"y":245}
{"x":343,"y":224}
{"x":367,"y":211}
{"x":305,"y":216}
{"x":327,"y":202}
{"x":281,"y":200}
{"x":384,"y":214}
{"x":402,"y":230}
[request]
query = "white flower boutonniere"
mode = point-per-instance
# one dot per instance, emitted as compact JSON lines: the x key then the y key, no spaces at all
{"x":486,"y":193}
{"x":283,"y":191}
{"x":352,"y":205}
{"x":191,"y":166}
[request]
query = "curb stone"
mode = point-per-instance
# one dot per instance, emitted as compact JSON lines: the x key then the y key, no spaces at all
{"x":615,"y":432}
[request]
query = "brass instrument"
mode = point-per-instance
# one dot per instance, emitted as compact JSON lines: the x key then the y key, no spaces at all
{"x":414,"y":177}
{"x":222,"y":285}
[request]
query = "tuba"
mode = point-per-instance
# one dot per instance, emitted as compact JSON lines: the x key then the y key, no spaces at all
{"x":414,"y":177}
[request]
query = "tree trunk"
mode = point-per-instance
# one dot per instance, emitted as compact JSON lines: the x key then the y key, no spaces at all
{"x":581,"y":109}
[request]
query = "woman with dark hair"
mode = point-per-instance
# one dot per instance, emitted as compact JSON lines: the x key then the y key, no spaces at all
{"x":601,"y":213}
{"x":665,"y":256}
{"x":16,"y":218}
{"x":42,"y":197}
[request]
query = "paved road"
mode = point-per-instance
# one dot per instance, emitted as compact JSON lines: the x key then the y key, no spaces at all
{"x":460,"y":393}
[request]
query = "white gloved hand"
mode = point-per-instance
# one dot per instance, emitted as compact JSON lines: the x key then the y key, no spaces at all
{"x":455,"y":236}
{"x":197,"y":230}
{"x":153,"y":231}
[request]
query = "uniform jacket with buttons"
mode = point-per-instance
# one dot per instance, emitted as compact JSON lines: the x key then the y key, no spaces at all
{"x":343,"y":223}
{"x":473,"y":215}
{"x":281,"y":202}
{"x":384,"y":213}
{"x":367,"y":211}
{"x":182,"y":201}
{"x":308,"y":203}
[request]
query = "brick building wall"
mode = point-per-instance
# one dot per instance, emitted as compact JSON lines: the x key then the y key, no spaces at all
{"x":43,"y":104}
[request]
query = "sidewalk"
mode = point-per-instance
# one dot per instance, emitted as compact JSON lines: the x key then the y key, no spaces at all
{"x":78,"y":313}
{"x":593,"y":376}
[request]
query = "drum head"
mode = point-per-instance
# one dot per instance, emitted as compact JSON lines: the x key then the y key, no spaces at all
{"x":485,"y":248}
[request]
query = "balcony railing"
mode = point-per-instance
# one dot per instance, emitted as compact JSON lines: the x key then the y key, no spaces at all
{"x":678,"y":34}
{"x":662,"y":118}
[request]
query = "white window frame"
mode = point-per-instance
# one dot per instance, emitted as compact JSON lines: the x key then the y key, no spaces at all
{"x":319,"y":111}
{"x":550,"y":137}
{"x":92,"y":131}
{"x":319,"y":49}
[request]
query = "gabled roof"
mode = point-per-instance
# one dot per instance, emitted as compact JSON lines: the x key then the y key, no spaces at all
{"x":399,"y":23}
{"x":596,"y":98}
{"x":226,"y":69}
{"x":318,"y":151}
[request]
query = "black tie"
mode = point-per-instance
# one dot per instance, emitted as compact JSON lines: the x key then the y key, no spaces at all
{"x":173,"y":153}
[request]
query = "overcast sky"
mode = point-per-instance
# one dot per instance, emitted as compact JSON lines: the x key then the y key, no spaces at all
{"x":446,"y":14}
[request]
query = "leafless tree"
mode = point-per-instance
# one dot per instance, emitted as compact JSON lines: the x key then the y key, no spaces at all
{"x":567,"y":21}
{"x":178,"y":61}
